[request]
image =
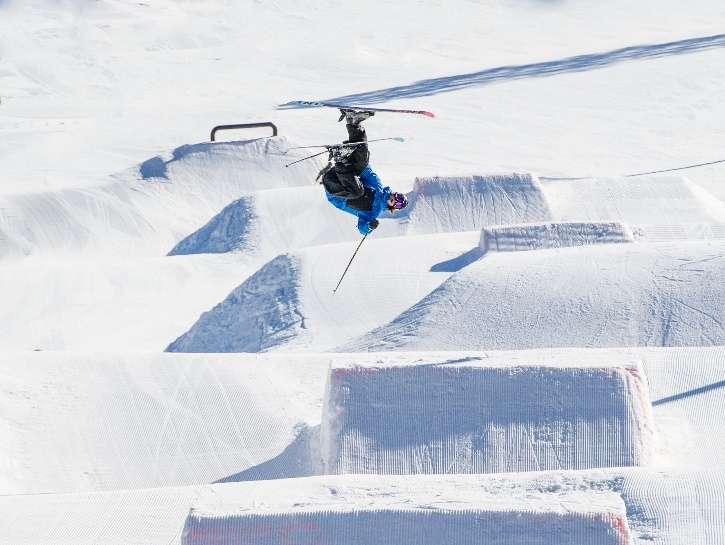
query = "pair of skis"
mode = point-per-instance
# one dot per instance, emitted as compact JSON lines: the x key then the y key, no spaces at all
{"x":329,"y":148}
{"x":294,"y":103}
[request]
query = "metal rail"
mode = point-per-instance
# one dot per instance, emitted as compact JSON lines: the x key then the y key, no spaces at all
{"x":243,"y":126}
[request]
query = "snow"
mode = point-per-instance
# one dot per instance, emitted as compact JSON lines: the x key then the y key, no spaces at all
{"x":176,"y":367}
{"x":563,"y":418}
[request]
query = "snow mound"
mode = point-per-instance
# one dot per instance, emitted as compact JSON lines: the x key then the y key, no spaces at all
{"x":539,"y":236}
{"x":262,"y":312}
{"x":479,"y":417}
{"x":659,"y":294}
{"x":469,"y":203}
{"x":437,"y":205}
{"x":408,"y":527}
{"x":646,"y":199}
{"x":146,"y":210}
{"x":251,"y":225}
{"x":289,"y":303}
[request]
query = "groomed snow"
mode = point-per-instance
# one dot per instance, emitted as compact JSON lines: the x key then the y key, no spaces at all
{"x":469,"y":391}
{"x":459,"y":417}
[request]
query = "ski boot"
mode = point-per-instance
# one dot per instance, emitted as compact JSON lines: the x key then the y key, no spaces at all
{"x":336,"y":154}
{"x":354,"y":117}
{"x":340,"y":154}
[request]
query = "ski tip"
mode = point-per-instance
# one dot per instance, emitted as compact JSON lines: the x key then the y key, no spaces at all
{"x":398,"y":138}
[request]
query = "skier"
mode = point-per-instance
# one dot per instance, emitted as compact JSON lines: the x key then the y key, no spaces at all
{"x":351,"y":185}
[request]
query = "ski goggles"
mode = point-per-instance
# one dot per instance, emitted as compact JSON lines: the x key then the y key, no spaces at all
{"x":400,"y":201}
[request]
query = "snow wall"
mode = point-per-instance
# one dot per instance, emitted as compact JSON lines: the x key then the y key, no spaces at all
{"x":470,"y":203}
{"x":479,"y":418}
{"x":407,"y":527}
{"x":542,"y":236}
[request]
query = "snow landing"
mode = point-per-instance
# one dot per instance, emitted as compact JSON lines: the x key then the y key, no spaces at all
{"x":656,"y":294}
{"x":482,"y":416}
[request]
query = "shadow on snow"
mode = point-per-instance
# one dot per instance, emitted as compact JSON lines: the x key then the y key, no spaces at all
{"x":579,"y":63}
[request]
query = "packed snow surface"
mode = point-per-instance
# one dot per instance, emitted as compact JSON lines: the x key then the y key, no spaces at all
{"x":530,"y":352}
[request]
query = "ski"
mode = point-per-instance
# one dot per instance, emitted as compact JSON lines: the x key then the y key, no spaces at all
{"x":350,"y":107}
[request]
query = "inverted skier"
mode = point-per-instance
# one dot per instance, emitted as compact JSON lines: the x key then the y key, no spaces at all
{"x":351,"y":185}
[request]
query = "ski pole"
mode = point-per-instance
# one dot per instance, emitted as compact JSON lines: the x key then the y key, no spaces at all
{"x":305,"y":159}
{"x":348,"y":265}
{"x":329,"y":147}
{"x":396,"y":138}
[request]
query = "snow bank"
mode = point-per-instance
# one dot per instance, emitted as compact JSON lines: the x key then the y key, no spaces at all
{"x":289,"y":303}
{"x":408,"y":527}
{"x":479,"y":417}
{"x":659,"y":294}
{"x":251,"y":225}
{"x":469,"y":203}
{"x":538,"y":508}
{"x":77,"y":422}
{"x":146,"y":210}
{"x":437,"y":205}
{"x":540,"y":236}
{"x":663,"y":199}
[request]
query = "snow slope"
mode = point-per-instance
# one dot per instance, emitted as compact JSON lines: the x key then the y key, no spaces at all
{"x":663,"y":294}
{"x":588,"y":134}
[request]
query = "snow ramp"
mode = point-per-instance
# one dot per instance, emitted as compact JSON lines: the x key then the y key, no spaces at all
{"x":474,"y":416}
{"x":656,"y":294}
{"x":289,"y":303}
{"x":543,"y":236}
{"x":251,"y":224}
{"x":493,"y":526}
{"x":261,"y":313}
{"x":144,"y":211}
{"x":469,"y":203}
{"x":396,"y":510}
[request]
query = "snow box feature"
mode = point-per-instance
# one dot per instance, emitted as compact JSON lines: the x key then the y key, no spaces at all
{"x":542,"y":236}
{"x":468,"y":418}
{"x":470,"y":203}
{"x":406,"y":527}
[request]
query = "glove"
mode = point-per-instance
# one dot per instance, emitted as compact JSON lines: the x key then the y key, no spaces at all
{"x":374,"y":224}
